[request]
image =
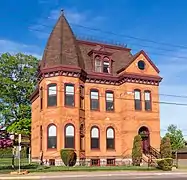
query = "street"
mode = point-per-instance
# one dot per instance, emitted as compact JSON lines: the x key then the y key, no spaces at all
{"x":124,"y":177}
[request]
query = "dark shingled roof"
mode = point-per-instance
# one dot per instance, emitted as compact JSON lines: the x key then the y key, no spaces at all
{"x":63,"y":49}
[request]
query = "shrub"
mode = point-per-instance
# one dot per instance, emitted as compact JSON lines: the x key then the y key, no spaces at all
{"x":68,"y":157}
{"x":137,"y":151}
{"x":165,"y":164}
{"x":165,"y":148}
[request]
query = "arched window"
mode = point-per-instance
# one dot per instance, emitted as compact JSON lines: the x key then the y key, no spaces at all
{"x":110,"y":141}
{"x":52,"y":95}
{"x":106,"y":65}
{"x":52,"y":137}
{"x":137,"y":99}
{"x":95,"y":138}
{"x":69,"y":136}
{"x":98,"y":64}
{"x":147,"y":96}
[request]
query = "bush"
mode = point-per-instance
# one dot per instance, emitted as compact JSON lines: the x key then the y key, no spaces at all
{"x":165,"y":148}
{"x":137,"y":151}
{"x":68,"y":156}
{"x":165,"y":164}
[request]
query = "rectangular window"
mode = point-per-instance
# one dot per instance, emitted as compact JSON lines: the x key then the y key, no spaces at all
{"x":81,"y":97}
{"x":109,"y":101}
{"x":147,"y":95}
{"x":106,"y":67}
{"x":137,"y":100}
{"x":69,"y":95}
{"x":41,"y":98}
{"x":110,"y":162}
{"x":94,"y":99}
{"x":95,"y":162}
{"x":52,"y":95}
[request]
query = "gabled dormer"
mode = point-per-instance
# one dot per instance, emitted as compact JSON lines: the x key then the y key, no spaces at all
{"x":101,"y":60}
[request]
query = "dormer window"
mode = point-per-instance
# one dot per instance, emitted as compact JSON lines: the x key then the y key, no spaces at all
{"x":98,"y":64}
{"x":102,"y":65}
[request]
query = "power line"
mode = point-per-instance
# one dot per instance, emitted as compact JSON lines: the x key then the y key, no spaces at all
{"x":156,"y":102}
{"x":122,"y":35}
{"x":154,"y":53}
{"x":156,"y":94}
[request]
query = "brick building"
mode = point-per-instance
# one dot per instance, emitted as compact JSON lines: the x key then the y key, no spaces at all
{"x":94,"y":98}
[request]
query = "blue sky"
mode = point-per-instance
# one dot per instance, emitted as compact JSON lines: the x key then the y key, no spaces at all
{"x":22,"y":30}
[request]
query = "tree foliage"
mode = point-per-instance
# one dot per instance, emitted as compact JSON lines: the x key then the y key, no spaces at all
{"x":137,"y":151}
{"x":165,"y":148}
{"x":176,"y":137}
{"x":17,"y":82}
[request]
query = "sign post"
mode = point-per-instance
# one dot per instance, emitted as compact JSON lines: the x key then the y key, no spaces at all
{"x":19,"y":149}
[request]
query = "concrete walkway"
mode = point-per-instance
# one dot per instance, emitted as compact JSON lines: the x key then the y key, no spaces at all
{"x":64,"y":175}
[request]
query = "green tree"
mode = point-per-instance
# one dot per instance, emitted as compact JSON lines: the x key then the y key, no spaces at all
{"x":17,"y":82}
{"x":165,"y":148}
{"x":137,"y":151}
{"x":176,"y":137}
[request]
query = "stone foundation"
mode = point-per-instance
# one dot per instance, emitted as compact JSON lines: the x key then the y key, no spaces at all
{"x":87,"y":162}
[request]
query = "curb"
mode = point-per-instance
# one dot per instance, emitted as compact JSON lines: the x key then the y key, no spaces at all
{"x":29,"y":177}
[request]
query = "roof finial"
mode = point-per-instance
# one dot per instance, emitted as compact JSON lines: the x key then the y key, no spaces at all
{"x":62,"y":12}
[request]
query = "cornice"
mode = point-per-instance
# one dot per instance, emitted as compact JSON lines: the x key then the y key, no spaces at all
{"x":95,"y":77}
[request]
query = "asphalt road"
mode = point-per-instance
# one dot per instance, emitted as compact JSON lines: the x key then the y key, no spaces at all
{"x":125,"y":178}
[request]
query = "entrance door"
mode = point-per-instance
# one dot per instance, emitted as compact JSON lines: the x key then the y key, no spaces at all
{"x":144,"y":133}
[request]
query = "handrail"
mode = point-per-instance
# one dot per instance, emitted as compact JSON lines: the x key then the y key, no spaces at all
{"x":154,"y":152}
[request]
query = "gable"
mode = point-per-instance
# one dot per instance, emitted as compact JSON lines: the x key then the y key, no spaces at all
{"x":135,"y":65}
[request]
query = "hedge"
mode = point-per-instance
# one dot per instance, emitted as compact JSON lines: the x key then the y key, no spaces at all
{"x":68,"y":156}
{"x":165,"y":164}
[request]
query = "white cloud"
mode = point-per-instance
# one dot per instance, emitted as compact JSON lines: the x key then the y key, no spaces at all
{"x":15,"y":47}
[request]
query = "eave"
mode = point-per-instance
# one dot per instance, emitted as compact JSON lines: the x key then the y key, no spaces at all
{"x":34,"y":95}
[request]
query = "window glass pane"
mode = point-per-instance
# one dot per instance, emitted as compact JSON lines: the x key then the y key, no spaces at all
{"x":95,"y":133}
{"x":69,"y":142}
{"x":52,"y":142}
{"x":110,"y":143}
{"x":137,"y":104}
{"x":70,"y":89}
{"x":52,"y":100}
{"x":52,"y":90}
{"x":106,"y":68}
{"x":69,"y":101}
{"x":137,"y":94}
{"x":147,"y":105}
{"x":97,"y":64}
{"x":94,"y":104}
{"x":109,"y":106}
{"x":94,"y":143}
{"x":94,"y":95}
{"x":69,"y":130}
{"x":110,"y":133}
{"x":109,"y":96}
{"x":52,"y":131}
{"x":147,"y":96}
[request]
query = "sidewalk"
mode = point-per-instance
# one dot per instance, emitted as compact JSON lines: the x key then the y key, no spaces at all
{"x":63,"y":175}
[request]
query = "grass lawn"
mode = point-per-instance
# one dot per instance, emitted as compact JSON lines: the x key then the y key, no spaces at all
{"x":5,"y":167}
